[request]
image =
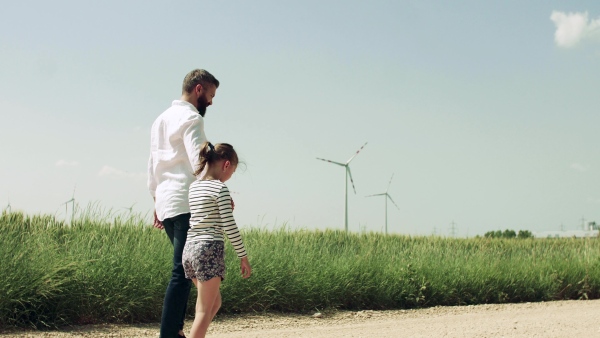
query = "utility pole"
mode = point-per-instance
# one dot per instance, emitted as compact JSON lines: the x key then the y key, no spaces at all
{"x":362,"y":228}
{"x":453,"y":229}
{"x":582,"y":223}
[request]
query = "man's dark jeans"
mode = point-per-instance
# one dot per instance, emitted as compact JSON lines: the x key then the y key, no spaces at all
{"x":178,"y":291}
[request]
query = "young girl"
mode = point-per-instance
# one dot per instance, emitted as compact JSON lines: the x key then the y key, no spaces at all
{"x":211,"y":208}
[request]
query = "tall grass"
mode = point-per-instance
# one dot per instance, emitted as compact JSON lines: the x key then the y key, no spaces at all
{"x":55,"y":273}
{"x":115,"y":269}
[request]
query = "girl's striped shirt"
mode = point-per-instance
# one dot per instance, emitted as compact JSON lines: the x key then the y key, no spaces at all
{"x":210,"y":205}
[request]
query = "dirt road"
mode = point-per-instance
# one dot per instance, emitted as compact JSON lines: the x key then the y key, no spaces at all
{"x":550,"y":319}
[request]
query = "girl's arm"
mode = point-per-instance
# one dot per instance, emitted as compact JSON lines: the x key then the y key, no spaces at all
{"x":228,"y":223}
{"x":245,"y":267}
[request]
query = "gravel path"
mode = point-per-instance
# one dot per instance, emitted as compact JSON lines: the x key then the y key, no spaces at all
{"x":550,"y":319}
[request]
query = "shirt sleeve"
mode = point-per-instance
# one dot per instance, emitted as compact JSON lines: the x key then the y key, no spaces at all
{"x":193,"y":137}
{"x":151,"y":180}
{"x":228,"y":223}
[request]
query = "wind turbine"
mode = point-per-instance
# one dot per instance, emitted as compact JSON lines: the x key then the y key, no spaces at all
{"x":72,"y":201}
{"x":348,"y":173}
{"x":8,"y":208}
{"x":130,"y":208}
{"x":386,"y":198}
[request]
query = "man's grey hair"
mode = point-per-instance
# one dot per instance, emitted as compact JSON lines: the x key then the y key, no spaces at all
{"x":198,"y":76}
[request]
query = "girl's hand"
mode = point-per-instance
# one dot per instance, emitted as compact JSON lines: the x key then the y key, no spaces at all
{"x":245,"y":267}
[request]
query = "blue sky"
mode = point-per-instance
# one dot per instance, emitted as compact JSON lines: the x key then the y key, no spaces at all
{"x":485,"y":112}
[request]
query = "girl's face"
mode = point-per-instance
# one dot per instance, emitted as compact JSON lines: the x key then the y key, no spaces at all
{"x":228,"y":170}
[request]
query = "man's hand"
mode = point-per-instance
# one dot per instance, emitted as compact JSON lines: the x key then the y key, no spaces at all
{"x":245,"y":267}
{"x":232,"y":205}
{"x":157,"y":224}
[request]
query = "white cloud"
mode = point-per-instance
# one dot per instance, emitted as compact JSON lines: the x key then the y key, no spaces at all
{"x":108,"y":171}
{"x":571,"y":28}
{"x":65,"y":163}
{"x":594,"y":200}
{"x":579,"y":167}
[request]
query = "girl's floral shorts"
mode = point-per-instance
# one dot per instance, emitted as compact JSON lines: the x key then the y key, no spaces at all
{"x":204,"y":260}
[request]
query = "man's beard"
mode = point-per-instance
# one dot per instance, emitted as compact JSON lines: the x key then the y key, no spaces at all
{"x":201,"y":106}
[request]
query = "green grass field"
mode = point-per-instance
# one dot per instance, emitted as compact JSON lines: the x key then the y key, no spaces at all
{"x":115,"y":269}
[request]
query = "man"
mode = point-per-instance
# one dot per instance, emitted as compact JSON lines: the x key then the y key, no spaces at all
{"x":175,"y":140}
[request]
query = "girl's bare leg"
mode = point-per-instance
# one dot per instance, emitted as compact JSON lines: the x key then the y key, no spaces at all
{"x":208,"y":292}
{"x":216,"y":306}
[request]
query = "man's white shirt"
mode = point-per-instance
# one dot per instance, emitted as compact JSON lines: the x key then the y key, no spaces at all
{"x":175,"y":140}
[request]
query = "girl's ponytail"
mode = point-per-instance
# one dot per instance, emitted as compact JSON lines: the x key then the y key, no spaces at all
{"x":205,"y":157}
{"x":210,"y":153}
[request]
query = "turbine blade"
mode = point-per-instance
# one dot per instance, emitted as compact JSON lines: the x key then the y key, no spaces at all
{"x":338,"y":163}
{"x":388,"y":188}
{"x":358,"y":151}
{"x":351,"y":180}
{"x":375,"y":195}
{"x":390,"y":197}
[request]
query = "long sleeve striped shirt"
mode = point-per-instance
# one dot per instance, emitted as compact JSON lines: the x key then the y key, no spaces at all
{"x":212,"y":217}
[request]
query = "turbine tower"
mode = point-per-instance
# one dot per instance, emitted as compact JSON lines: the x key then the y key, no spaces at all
{"x":348,"y":173}
{"x":72,"y":201}
{"x":8,"y":208}
{"x":386,"y":198}
{"x":130,"y":208}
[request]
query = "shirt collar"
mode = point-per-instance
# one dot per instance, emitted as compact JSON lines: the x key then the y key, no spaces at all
{"x":185,"y":104}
